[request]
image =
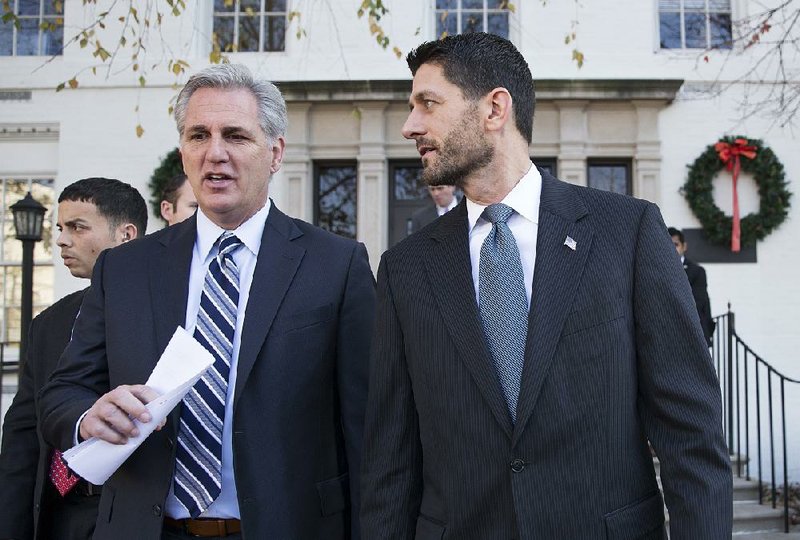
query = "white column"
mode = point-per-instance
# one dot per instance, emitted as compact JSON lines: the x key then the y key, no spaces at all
{"x":647,"y":159}
{"x":373,"y":197}
{"x":293,"y":187}
{"x":572,"y":146}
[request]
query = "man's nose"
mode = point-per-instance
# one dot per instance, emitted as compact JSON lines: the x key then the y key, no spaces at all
{"x":62,"y":239}
{"x":413,"y":126}
{"x":217,"y":150}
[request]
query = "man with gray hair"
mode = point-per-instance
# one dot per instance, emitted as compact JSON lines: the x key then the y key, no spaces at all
{"x":268,"y":443}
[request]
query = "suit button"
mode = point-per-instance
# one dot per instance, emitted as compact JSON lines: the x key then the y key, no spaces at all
{"x":517,"y":465}
{"x":157,"y":510}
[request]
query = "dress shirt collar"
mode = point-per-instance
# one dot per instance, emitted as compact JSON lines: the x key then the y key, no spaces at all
{"x":442,"y":210}
{"x":249,"y":232}
{"x":524,"y":199}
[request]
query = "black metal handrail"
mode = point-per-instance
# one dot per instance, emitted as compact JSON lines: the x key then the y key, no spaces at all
{"x":734,"y":360}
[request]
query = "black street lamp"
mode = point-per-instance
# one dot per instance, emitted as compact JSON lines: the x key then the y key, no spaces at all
{"x":28,"y":219}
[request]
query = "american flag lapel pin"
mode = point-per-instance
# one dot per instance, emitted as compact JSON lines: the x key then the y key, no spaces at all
{"x":571,"y":243}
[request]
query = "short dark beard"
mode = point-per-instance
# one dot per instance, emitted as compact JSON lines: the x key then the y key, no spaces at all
{"x":463,"y":151}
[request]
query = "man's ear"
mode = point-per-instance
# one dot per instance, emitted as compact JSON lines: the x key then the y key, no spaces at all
{"x":126,"y":232}
{"x":501,"y":109}
{"x":277,"y":155}
{"x":166,"y":210}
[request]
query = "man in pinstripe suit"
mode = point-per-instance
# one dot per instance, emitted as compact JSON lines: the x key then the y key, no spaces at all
{"x":457,"y":444}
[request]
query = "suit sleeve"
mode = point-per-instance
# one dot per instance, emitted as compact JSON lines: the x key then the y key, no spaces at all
{"x":679,"y":393}
{"x":19,"y":455}
{"x":82,"y":373}
{"x":355,"y":324}
{"x":392,"y":471}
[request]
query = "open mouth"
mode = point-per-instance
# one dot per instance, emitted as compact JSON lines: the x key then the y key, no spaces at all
{"x":425,"y":150}
{"x":218,"y":179}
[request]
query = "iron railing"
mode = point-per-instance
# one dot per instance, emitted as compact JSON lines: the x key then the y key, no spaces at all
{"x":742,"y":374}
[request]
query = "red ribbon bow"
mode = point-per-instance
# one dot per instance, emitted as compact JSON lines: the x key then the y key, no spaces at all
{"x":730,"y":156}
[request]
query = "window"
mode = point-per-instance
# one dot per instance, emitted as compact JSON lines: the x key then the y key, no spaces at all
{"x":465,"y":16}
{"x":250,"y":25}
{"x":610,"y":175}
{"x":40,"y":32}
{"x":12,"y":190}
{"x":335,"y":197}
{"x":694,"y":24}
{"x":548,"y":164}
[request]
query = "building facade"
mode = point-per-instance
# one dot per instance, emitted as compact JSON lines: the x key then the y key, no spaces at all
{"x":639,"y":110}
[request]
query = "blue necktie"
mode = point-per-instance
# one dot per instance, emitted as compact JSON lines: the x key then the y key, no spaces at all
{"x":503,"y":303}
{"x":198,"y":468}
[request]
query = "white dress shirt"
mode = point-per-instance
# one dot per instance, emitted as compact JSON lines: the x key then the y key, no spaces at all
{"x":524,"y":224}
{"x":250,"y":233}
{"x":442,"y":210}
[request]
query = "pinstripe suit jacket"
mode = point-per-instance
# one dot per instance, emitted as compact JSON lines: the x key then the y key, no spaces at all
{"x":615,"y":356}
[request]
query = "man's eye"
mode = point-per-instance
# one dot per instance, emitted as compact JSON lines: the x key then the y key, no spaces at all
{"x":197,"y":136}
{"x":428,"y":103}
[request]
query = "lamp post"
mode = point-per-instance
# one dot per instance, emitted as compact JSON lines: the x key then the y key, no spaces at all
{"x":28,"y":219}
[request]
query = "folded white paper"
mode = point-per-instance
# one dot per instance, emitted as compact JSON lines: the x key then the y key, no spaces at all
{"x":184,"y":361}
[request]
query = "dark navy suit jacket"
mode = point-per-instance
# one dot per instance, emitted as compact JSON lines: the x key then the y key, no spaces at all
{"x":615,"y":356}
{"x":300,"y":391}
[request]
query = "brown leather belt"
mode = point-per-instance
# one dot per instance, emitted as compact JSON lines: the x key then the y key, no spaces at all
{"x":204,"y":528}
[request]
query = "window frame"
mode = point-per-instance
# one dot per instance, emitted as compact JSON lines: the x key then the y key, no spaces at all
{"x":56,"y":18}
{"x":40,"y":261}
{"x":262,"y":14}
{"x":333,"y":163}
{"x":485,"y":12}
{"x":707,"y":12}
{"x":627,"y":163}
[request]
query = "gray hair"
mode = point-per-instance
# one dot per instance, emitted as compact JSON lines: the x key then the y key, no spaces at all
{"x":271,"y":106}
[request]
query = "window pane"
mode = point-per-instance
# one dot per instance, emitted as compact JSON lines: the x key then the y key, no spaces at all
{"x":497,"y":4}
{"x":275,"y":5}
{"x":408,"y":184}
{"x":53,"y":7}
{"x":53,"y":41}
{"x":337,"y":200}
{"x":498,"y":24}
{"x":670,"y":30}
{"x":695,"y":30}
{"x":6,"y":38}
{"x":224,"y":5}
{"x":472,"y":4}
{"x":249,"y":6}
{"x":721,"y":30}
{"x":28,"y":37}
{"x":446,"y":25}
{"x":471,"y":21}
{"x":612,"y":178}
{"x":28,"y":7}
{"x":719,"y":5}
{"x":694,"y":4}
{"x":42,"y":191}
{"x":274,"y":33}
{"x":446,"y":4}
{"x":669,"y":5}
{"x":223,"y":32}
{"x":248,"y":33}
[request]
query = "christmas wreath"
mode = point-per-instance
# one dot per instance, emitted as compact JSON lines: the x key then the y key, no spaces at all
{"x":735,"y":154}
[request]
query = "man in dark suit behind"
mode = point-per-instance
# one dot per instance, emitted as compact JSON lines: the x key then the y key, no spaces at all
{"x":698,"y":281}
{"x":443,"y":199}
{"x":93,"y":214}
{"x":268,"y":442}
{"x":531,"y":341}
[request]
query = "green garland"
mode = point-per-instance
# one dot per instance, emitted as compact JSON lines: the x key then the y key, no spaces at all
{"x":169,"y":167}
{"x":768,"y":174}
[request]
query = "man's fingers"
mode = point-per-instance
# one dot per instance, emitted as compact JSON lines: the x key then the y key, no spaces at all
{"x":110,"y":418}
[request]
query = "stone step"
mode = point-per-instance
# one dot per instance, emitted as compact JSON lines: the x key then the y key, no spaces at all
{"x":754,"y":517}
{"x":743,"y":489}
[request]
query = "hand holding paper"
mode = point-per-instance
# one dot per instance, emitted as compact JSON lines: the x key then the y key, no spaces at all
{"x":183,"y":362}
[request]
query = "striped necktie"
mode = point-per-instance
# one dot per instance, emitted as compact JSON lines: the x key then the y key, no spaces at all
{"x":503,"y":302}
{"x":198,"y":468}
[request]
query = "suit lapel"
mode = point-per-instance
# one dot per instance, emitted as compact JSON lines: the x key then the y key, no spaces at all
{"x":449,"y":272}
{"x":169,"y":288}
{"x":169,"y":279}
{"x":557,"y":275}
{"x":278,"y":261}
